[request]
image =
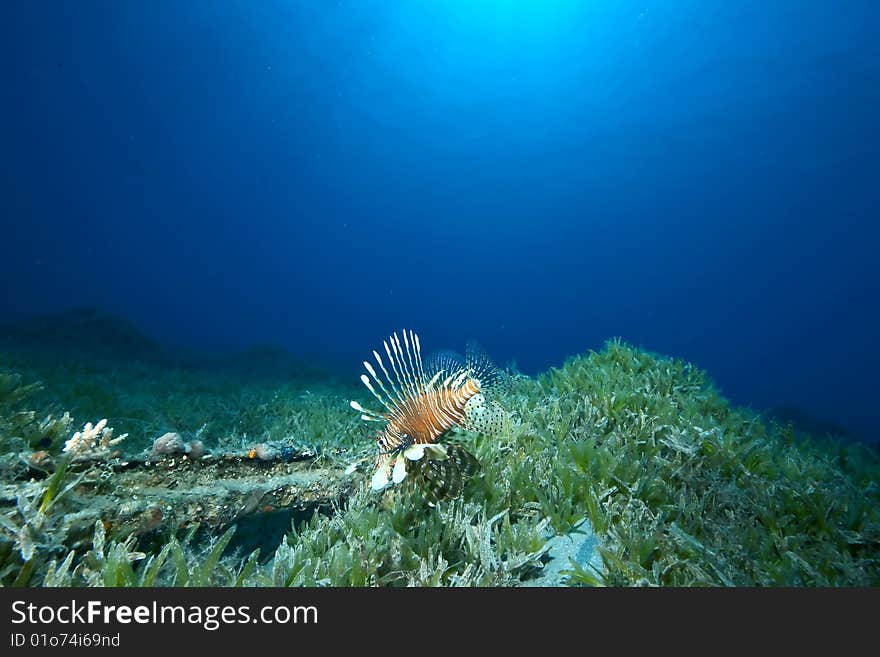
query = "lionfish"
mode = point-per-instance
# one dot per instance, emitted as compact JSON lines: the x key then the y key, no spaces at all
{"x":421,"y":403}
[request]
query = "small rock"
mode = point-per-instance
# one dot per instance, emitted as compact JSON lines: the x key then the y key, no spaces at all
{"x":41,"y":460}
{"x":169,"y":443}
{"x":263,"y":452}
{"x":579,"y":546}
{"x":195,"y":450}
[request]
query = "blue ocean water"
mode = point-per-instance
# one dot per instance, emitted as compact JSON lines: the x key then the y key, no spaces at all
{"x":699,"y":178}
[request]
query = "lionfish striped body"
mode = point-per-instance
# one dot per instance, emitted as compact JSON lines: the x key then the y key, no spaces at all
{"x":420,"y":406}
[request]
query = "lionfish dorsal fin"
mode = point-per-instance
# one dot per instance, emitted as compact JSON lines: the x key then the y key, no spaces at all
{"x":407,"y":367}
{"x":483,"y":369}
{"x":405,"y":381}
{"x":445,"y":361}
{"x":366,"y":414}
{"x":431,"y":385}
{"x":476,"y":362}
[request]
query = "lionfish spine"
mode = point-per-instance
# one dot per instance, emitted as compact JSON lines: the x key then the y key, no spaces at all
{"x":372,"y":372}
{"x":392,"y":361}
{"x":408,"y":374}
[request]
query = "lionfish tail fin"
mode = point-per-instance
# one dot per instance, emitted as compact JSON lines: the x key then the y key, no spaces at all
{"x":445,"y":479}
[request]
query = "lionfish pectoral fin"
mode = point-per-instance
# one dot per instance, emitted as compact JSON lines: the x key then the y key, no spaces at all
{"x":436,"y":451}
{"x":399,"y":472}
{"x":445,"y":479}
{"x":380,"y":478}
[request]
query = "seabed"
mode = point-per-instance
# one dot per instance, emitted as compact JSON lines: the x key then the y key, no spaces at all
{"x":621,"y":467}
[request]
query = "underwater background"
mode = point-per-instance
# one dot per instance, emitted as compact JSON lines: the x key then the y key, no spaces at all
{"x":698,"y":178}
{"x":215,"y":210}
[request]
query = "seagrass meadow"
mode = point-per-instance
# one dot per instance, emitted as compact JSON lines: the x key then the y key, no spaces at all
{"x":621,"y":467}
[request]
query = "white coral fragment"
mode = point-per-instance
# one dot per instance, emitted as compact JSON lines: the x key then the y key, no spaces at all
{"x":92,"y":441}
